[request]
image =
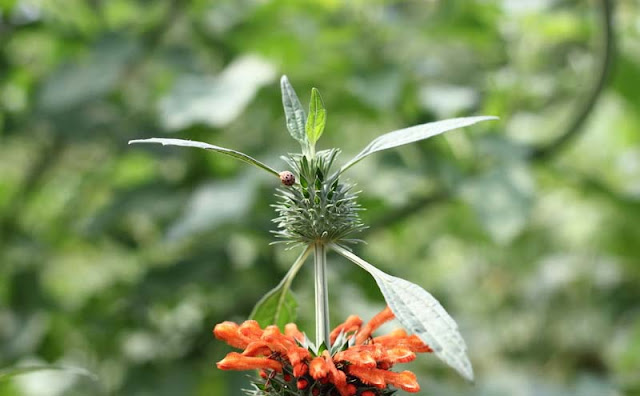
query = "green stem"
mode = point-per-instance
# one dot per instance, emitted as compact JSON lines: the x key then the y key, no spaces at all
{"x":322,"y":294}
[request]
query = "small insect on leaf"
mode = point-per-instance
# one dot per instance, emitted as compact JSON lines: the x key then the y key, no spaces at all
{"x":287,"y":178}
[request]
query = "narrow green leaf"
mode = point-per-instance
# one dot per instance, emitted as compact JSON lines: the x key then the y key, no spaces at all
{"x":190,"y":143}
{"x":413,"y":134}
{"x":317,"y":117}
{"x":420,"y":313}
{"x":279,"y":306}
{"x":294,"y":113}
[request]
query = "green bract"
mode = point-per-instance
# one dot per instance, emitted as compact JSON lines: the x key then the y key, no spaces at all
{"x":320,"y":212}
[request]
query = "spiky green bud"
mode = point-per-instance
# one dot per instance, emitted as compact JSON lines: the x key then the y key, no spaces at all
{"x":319,"y":207}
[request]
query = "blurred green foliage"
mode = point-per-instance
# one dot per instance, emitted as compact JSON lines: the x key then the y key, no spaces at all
{"x":119,"y":260}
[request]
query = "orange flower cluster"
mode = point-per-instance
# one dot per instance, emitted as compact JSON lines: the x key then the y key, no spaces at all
{"x":361,"y":369}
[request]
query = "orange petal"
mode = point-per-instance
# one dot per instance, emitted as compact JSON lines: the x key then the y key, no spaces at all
{"x":352,"y":323}
{"x":236,"y":361}
{"x":291,"y":330}
{"x":384,"y":316}
{"x":369,"y":376}
{"x":400,"y":337}
{"x":250,"y":329}
{"x":400,"y":355}
{"x":416,"y":344}
{"x":318,"y":368}
{"x":271,"y":331}
{"x":391,"y":338}
{"x":300,"y":369}
{"x":297,"y":354}
{"x":257,"y":348}
{"x":338,"y":378}
{"x":228,"y":332}
{"x":354,"y":355}
{"x":405,"y":380}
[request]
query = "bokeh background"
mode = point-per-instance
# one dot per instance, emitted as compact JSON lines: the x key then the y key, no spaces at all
{"x":117,"y":260}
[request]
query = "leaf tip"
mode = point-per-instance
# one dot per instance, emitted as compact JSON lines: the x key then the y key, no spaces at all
{"x":467,"y":372}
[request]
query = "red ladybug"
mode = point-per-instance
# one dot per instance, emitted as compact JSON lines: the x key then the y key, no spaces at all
{"x":287,"y":178}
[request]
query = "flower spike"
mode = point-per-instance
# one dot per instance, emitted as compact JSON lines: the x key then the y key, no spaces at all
{"x":317,"y":210}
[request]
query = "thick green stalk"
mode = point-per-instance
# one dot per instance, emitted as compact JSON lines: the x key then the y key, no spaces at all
{"x":322,"y":294}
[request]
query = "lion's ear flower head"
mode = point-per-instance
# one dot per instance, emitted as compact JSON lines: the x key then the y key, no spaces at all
{"x":318,"y":210}
{"x":356,"y":362}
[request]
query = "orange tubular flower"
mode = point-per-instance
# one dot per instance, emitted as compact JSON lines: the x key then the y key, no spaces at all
{"x":360,"y":369}
{"x":352,"y":324}
{"x":236,"y":361}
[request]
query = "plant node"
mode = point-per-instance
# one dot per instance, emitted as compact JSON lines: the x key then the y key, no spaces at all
{"x":318,"y":208}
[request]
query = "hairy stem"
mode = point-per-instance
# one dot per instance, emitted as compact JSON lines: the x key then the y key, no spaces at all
{"x":322,"y":294}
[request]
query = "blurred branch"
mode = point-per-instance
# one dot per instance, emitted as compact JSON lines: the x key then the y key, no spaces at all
{"x":582,"y":112}
{"x":403,"y":212}
{"x":544,"y":152}
{"x":593,"y":184}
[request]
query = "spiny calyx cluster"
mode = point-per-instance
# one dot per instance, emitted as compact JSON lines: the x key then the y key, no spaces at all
{"x":318,"y":207}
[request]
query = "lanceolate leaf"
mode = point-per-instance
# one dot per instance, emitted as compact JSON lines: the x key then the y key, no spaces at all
{"x":420,"y":313}
{"x":279,"y":306}
{"x":294,"y":113}
{"x":414,"y":134}
{"x":190,"y":143}
{"x":317,"y":117}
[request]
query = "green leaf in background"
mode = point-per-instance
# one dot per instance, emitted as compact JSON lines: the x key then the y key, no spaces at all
{"x":190,"y":143}
{"x":502,"y":199}
{"x":10,"y":372}
{"x":413,"y":134}
{"x":215,"y":100}
{"x":82,"y":81}
{"x":421,"y":314}
{"x":213,"y":204}
{"x":317,"y":118}
{"x":294,"y":113}
{"x":279,"y":306}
